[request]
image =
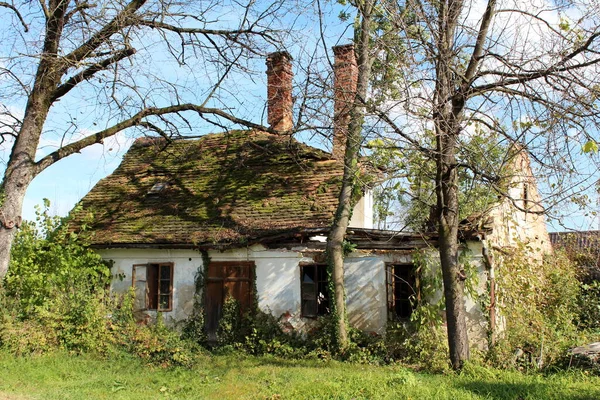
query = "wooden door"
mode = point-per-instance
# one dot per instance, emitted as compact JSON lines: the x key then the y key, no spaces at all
{"x":224,"y":279}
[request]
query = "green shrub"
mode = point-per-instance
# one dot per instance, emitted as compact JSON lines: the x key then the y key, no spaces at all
{"x":155,"y":343}
{"x":56,"y":296}
{"x":538,"y":300}
{"x":47,"y":258}
{"x":589,"y":306}
{"x":55,"y":287}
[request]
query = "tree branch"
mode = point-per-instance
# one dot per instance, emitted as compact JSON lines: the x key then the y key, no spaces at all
{"x":202,"y":31}
{"x":481,"y":37}
{"x":123,"y":19}
{"x":551,"y":70}
{"x":90,"y":71}
{"x":16,"y":11}
{"x":137,"y":120}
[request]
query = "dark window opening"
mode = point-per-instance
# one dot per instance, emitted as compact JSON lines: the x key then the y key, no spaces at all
{"x":314,"y":290}
{"x":525,"y":197}
{"x":402,"y":290}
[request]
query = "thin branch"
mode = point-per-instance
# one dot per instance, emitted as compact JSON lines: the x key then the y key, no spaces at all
{"x":551,"y":70}
{"x":90,"y":71}
{"x":479,"y":43}
{"x":16,"y":11}
{"x":122,"y":20}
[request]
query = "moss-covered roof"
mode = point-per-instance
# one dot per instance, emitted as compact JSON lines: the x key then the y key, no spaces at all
{"x":222,"y":188}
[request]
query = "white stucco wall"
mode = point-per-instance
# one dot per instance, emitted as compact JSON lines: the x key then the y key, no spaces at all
{"x":362,"y":214}
{"x":477,"y":316}
{"x":364,"y":278}
{"x":277,"y":281}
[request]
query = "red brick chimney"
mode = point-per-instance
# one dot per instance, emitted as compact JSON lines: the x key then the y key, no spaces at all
{"x":279,"y":91}
{"x":345,"y":79}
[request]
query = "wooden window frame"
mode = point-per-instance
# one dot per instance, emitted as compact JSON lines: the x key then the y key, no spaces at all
{"x":391,"y":290}
{"x":318,"y":281}
{"x":149,"y":265}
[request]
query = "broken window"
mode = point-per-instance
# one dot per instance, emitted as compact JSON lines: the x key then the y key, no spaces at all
{"x":314,"y":290}
{"x":153,"y":286}
{"x":402,"y":290}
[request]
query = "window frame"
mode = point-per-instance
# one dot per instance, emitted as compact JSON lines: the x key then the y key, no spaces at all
{"x":325,"y":284}
{"x":147,"y":301}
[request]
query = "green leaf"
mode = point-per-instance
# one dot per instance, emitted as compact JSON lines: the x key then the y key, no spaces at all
{"x":590,"y":147}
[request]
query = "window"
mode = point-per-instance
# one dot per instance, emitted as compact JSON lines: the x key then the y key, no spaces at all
{"x":314,"y":290}
{"x":525,"y":197}
{"x":158,"y":188}
{"x":153,"y":286}
{"x":402,"y":290}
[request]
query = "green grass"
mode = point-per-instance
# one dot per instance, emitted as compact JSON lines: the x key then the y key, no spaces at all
{"x":61,"y":376}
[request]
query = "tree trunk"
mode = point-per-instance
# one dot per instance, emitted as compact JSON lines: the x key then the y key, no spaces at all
{"x":448,"y":109}
{"x":20,"y":172}
{"x":335,"y":242}
{"x":21,"y":167}
{"x":453,"y":276}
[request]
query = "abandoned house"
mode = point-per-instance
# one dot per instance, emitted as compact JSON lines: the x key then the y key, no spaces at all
{"x":251,"y":211}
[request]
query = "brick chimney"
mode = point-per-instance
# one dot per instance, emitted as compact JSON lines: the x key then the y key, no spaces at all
{"x":279,"y":91}
{"x":345,"y":79}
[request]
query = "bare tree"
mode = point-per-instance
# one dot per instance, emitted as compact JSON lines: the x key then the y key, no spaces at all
{"x":525,"y":72}
{"x":75,"y":67}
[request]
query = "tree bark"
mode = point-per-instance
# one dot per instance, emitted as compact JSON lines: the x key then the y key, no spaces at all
{"x":335,"y":243}
{"x":453,"y":277}
{"x":20,"y":171}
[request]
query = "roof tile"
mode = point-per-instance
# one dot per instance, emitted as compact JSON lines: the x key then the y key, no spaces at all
{"x":225,"y":187}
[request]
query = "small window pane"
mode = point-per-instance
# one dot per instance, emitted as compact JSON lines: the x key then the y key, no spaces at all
{"x":314,"y":290}
{"x":164,"y":302}
{"x":308,"y":274}
{"x":309,"y":291}
{"x":322,"y":272}
{"x":165,"y":272}
{"x":165,"y":287}
{"x":403,"y":290}
{"x":309,"y":308}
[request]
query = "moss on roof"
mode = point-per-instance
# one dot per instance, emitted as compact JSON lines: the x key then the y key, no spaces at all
{"x":221,"y":188}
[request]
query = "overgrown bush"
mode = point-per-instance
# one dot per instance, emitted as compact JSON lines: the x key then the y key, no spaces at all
{"x":538,"y":302}
{"x":55,"y":287}
{"x":56,"y":296}
{"x":589,"y":306}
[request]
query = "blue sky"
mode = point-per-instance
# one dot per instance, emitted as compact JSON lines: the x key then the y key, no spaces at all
{"x":68,"y":180}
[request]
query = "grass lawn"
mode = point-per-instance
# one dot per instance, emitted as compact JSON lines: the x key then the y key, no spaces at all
{"x":61,"y":376}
